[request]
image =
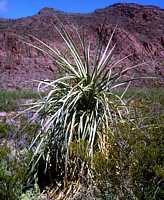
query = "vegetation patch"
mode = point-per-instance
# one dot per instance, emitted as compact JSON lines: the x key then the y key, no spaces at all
{"x":87,"y":134}
{"x":9,"y":100}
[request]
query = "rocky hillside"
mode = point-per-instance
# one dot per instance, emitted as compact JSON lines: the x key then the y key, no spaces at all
{"x":140,"y":33}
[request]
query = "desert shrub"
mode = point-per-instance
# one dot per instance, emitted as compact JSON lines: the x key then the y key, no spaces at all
{"x":79,"y":104}
{"x":147,"y":162}
{"x":12,"y":174}
{"x":14,"y":157}
{"x":133,"y":166}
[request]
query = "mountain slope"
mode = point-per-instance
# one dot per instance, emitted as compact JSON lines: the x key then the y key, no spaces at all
{"x":140,"y":34}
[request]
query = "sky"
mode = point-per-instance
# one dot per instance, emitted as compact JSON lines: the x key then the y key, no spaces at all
{"x":22,"y":8}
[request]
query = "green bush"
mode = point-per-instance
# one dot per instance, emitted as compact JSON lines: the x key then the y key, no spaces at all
{"x":13,"y":173}
{"x":3,"y":130}
{"x":133,"y":166}
{"x":14,"y":160}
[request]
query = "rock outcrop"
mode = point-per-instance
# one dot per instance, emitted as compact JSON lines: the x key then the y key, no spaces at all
{"x":140,"y":33}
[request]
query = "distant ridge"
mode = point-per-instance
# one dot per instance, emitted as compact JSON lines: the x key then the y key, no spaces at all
{"x":140,"y":33}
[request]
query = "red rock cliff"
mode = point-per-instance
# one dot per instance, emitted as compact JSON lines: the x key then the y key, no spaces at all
{"x":140,"y":33}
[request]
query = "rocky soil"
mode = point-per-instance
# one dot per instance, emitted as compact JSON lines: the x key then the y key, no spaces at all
{"x":140,"y":33}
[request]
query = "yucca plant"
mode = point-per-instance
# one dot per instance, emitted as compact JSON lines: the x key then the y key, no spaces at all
{"x":81,"y":103}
